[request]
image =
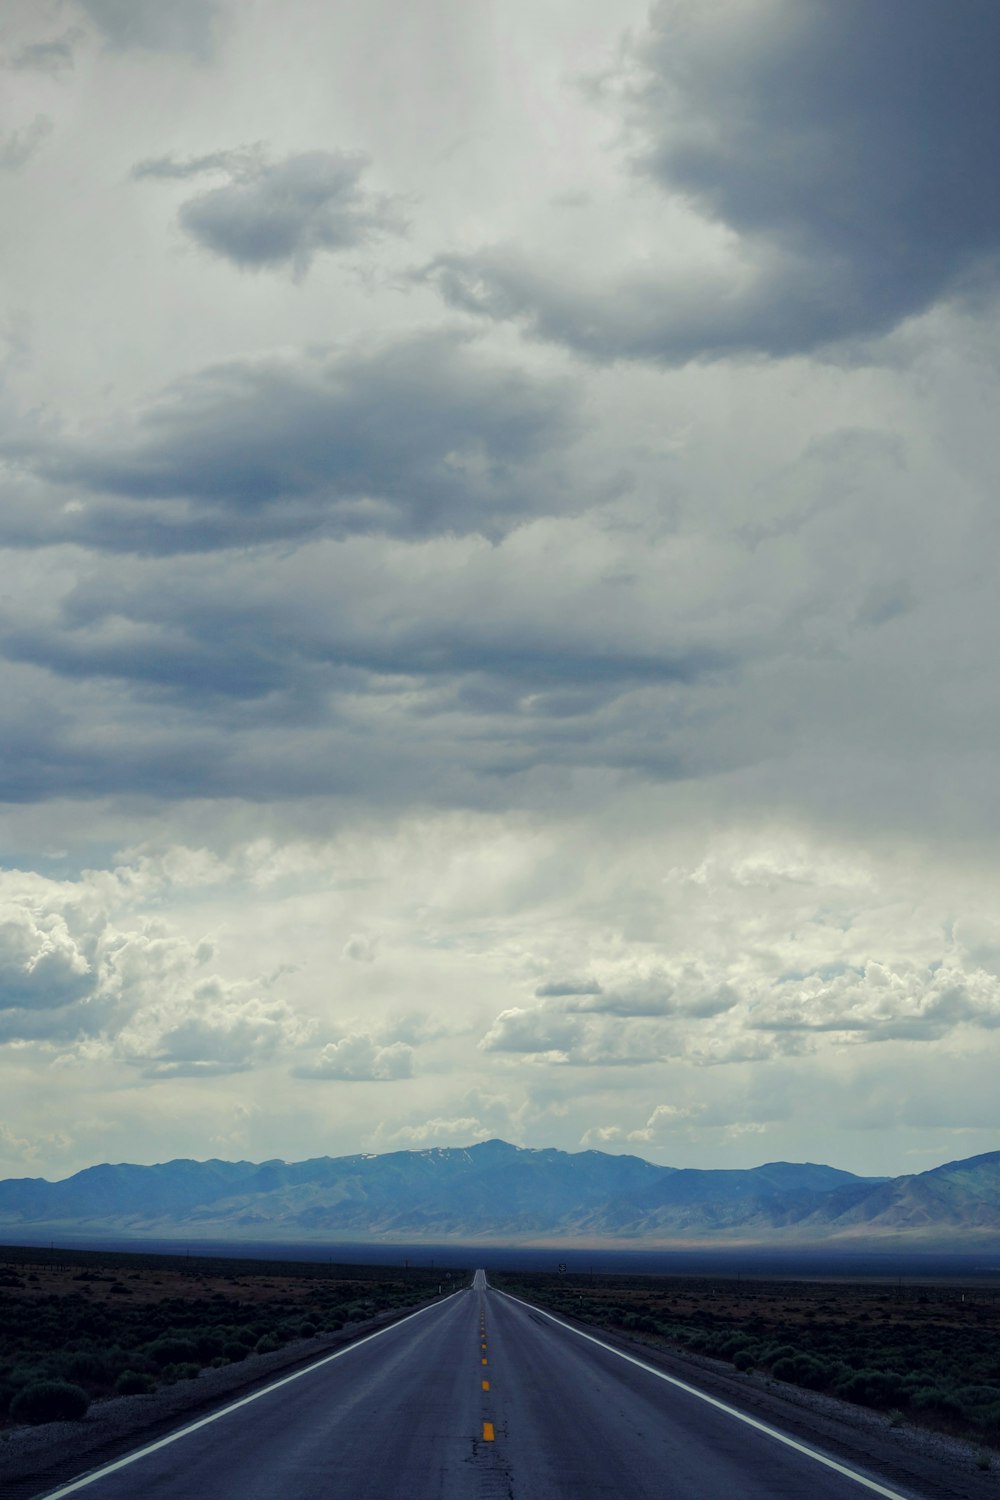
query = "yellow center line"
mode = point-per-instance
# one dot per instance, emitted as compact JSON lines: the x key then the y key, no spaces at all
{"x":487,"y":1432}
{"x":484,"y":1361}
{"x":486,"y":1385}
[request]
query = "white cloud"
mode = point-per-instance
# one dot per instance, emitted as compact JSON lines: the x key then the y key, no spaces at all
{"x":532,"y":1031}
{"x":463,"y":1131}
{"x":220,"y":1029}
{"x":40,"y":963}
{"x":357,"y":1058}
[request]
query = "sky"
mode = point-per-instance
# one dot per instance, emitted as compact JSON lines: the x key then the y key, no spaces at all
{"x":498,"y":607}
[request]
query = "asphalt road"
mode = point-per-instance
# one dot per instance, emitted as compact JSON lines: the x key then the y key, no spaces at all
{"x":478,"y":1397}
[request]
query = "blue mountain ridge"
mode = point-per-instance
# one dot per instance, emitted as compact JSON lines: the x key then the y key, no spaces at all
{"x":495,"y":1191}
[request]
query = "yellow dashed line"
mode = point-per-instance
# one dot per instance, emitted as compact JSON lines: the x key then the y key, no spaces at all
{"x":484,"y":1361}
{"x":487,"y":1432}
{"x":486,"y":1385}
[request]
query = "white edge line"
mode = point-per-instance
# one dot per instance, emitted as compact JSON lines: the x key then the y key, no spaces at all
{"x":174,"y":1437}
{"x":731,"y":1411}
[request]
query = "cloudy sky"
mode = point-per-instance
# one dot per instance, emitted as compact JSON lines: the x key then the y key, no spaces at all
{"x":498,"y":614}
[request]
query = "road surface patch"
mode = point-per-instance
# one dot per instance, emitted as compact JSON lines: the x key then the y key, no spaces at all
{"x":731,"y":1411}
{"x":173,"y":1437}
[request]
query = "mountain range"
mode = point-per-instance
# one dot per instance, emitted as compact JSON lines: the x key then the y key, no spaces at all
{"x":495,"y":1193}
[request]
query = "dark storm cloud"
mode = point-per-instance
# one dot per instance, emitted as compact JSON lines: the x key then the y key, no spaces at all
{"x":201,"y":634}
{"x":287,"y":212}
{"x":185,"y":26}
{"x":419,"y":437}
{"x":281,"y":213}
{"x":337,"y":669}
{"x":19,"y":146}
{"x":53,"y":57}
{"x":169,"y":169}
{"x":851,"y":147}
{"x":561,"y":987}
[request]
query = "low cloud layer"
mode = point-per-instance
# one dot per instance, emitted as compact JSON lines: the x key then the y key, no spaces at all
{"x":414,"y":438}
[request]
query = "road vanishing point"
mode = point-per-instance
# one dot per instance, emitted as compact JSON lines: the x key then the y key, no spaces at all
{"x":478,"y":1397}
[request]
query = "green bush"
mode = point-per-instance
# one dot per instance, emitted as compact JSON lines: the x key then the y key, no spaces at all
{"x":880,"y":1388}
{"x":802,"y":1369}
{"x":49,"y":1401}
{"x":172,"y":1349}
{"x":91,"y":1366}
{"x":134,"y":1383}
{"x":936,"y":1399}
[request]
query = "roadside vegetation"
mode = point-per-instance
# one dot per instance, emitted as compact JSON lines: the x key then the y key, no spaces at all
{"x":927,"y":1353}
{"x":78,"y":1325}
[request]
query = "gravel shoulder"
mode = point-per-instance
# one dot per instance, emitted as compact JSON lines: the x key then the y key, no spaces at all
{"x":36,"y":1460}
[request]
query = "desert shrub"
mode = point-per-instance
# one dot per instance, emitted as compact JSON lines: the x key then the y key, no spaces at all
{"x":20,"y":1376}
{"x":803,"y":1369}
{"x":134,"y":1383}
{"x":91,"y":1365}
{"x":880,"y":1388}
{"x":938,"y":1399}
{"x":49,"y":1401}
{"x":743,"y":1359}
{"x":171,"y":1349}
{"x":185,"y":1370}
{"x":209,"y":1343}
{"x":772,"y":1353}
{"x":978,"y":1395}
{"x":267,"y":1343}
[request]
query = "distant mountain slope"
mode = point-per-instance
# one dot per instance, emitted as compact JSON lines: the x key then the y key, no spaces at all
{"x":495,"y":1192}
{"x":960,"y":1197}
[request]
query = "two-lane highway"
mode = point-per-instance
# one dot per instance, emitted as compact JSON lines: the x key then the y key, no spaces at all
{"x":476,"y":1398}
